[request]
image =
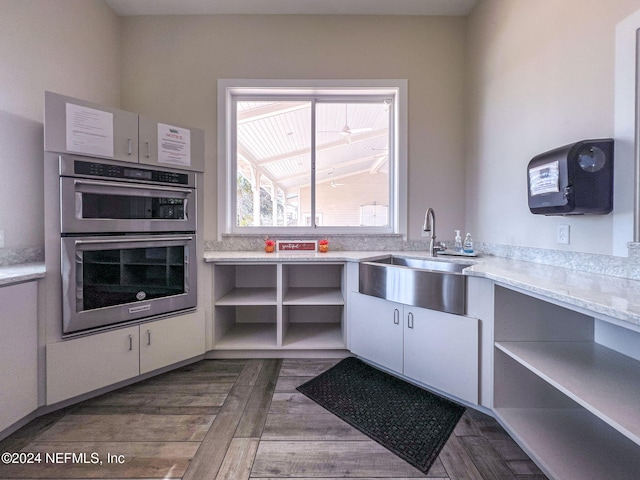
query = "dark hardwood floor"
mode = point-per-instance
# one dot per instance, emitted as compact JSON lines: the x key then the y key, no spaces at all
{"x":235,"y":420}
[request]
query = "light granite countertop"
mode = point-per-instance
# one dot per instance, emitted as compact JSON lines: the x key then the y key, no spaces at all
{"x":23,"y":272}
{"x":603,"y":295}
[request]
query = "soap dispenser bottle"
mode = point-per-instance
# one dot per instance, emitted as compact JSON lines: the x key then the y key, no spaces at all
{"x":468,"y":244}
{"x":457,"y":243}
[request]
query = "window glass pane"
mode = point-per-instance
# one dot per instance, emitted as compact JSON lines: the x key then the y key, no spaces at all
{"x":273,"y":162}
{"x":352,"y":164}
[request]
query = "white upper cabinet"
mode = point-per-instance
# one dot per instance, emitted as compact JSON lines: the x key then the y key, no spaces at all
{"x":84,"y":128}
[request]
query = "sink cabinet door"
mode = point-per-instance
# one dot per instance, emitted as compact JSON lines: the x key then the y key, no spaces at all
{"x":376,"y":330}
{"x":441,"y":350}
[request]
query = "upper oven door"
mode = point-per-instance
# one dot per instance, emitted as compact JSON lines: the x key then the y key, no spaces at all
{"x":99,"y":206}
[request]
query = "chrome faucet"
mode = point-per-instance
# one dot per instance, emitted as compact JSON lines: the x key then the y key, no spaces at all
{"x":430,"y":226}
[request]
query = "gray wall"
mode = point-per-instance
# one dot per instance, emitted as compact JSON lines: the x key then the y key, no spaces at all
{"x":541,"y":74}
{"x":67,"y":46}
{"x":171,"y":66}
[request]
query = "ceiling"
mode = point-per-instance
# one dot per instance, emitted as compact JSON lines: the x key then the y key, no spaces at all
{"x":312,"y":7}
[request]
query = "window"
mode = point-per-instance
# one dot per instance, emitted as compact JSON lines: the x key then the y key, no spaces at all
{"x":319,"y":151}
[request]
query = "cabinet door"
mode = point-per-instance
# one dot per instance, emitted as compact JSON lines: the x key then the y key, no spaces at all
{"x":84,"y":128}
{"x":171,"y":145}
{"x":376,"y":330}
{"x":171,"y":340}
{"x":441,"y":350}
{"x":85,"y":364}
{"x":18,"y":352}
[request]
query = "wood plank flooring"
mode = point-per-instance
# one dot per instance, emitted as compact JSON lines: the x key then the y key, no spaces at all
{"x":239,"y":420}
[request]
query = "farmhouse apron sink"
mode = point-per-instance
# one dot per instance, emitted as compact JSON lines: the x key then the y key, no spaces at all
{"x":429,"y":283}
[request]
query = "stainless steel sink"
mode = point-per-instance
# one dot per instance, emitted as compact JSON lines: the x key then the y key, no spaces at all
{"x":424,"y":264}
{"x":429,"y":283}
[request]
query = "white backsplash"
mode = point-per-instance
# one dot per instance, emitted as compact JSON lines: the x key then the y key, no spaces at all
{"x":336,"y":242}
{"x":16,"y":256}
{"x":625,"y":267}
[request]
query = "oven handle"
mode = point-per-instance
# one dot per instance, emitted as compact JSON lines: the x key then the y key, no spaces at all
{"x":132,"y":185}
{"x":128,"y":240}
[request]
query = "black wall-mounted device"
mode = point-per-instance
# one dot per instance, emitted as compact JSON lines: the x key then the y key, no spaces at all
{"x":576,"y":179}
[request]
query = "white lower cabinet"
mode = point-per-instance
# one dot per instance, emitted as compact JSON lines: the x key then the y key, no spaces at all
{"x":169,"y":341}
{"x":376,"y":330}
{"x":434,"y":348}
{"x":441,"y":350}
{"x":84,"y":364}
{"x":18,"y":352}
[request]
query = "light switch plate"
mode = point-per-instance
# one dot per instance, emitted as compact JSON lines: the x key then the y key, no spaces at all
{"x":1,"y":238}
{"x":563,"y":234}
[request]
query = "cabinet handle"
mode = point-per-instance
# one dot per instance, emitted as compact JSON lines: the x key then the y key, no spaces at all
{"x":130,"y":342}
{"x":148,"y":337}
{"x":410,"y":320}
{"x":148,"y":155}
{"x":129,"y":146}
{"x":396,"y":316}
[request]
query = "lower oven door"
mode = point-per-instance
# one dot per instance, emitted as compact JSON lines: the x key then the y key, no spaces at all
{"x":110,"y":280}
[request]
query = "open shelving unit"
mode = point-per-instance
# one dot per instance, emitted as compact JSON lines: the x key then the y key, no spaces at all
{"x":284,"y":305}
{"x":564,"y":390}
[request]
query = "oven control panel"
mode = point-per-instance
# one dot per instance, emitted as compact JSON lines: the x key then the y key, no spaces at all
{"x":95,"y":169}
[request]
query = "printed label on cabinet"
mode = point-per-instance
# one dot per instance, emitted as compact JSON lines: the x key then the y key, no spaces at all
{"x":89,"y":130}
{"x":174,"y":145}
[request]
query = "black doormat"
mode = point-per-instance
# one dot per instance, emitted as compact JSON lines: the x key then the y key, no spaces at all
{"x":407,"y":420}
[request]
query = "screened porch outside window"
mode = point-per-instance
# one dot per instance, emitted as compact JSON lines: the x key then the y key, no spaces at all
{"x":327,"y":156}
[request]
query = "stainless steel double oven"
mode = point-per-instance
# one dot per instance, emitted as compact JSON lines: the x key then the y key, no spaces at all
{"x":128,"y":242}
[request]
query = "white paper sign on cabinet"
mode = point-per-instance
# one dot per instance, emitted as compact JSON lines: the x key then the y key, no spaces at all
{"x":174,"y":145}
{"x":89,"y":130}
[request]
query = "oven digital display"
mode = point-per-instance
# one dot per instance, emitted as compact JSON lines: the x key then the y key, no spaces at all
{"x":139,"y":174}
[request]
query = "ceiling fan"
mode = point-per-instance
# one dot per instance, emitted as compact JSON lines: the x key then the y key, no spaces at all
{"x":333,"y":183}
{"x":347,"y":131}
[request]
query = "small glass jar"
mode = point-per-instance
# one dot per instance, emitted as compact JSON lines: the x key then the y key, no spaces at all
{"x":323,"y":247}
{"x":269,"y":248}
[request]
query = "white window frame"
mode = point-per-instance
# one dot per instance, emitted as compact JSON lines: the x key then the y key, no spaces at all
{"x":228,"y":89}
